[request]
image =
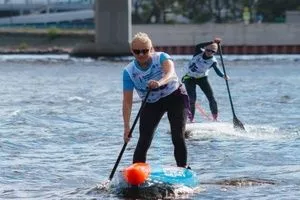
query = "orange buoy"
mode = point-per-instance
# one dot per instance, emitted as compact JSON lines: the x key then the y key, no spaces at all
{"x":136,"y":173}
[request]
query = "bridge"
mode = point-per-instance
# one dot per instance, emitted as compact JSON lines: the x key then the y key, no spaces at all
{"x":60,"y":19}
{"x":28,"y":13}
{"x":110,"y":18}
{"x":40,"y":7}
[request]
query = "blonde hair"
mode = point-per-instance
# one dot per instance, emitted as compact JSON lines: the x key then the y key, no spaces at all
{"x":141,"y":37}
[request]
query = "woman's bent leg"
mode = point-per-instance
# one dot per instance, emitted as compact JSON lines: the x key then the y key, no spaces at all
{"x":207,"y":90}
{"x":149,"y":119}
{"x":191,"y":91}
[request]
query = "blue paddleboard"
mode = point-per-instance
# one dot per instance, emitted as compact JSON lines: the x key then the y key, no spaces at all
{"x":162,"y":182}
{"x":174,"y":176}
{"x":162,"y":175}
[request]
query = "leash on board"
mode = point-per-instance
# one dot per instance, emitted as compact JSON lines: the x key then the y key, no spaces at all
{"x":202,"y":112}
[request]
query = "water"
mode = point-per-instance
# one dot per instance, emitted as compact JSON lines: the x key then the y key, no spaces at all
{"x":61,"y":129}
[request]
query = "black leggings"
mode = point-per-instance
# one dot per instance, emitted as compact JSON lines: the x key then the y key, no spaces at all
{"x":203,"y":83}
{"x":174,"y":105}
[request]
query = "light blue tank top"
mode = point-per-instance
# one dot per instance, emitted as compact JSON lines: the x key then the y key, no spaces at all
{"x":140,"y":79}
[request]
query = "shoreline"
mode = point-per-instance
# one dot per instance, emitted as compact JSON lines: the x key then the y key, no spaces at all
{"x":37,"y":51}
{"x":81,"y":43}
{"x":174,"y":50}
{"x":42,"y":41}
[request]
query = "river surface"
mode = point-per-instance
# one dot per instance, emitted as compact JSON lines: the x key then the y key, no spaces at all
{"x":61,"y":129}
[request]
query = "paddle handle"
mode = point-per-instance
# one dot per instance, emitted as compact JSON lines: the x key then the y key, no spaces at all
{"x":130,"y":133}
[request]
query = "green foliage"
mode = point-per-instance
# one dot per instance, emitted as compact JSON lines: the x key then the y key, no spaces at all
{"x":201,"y":11}
{"x":274,"y":10}
{"x":23,"y":46}
{"x":53,"y":33}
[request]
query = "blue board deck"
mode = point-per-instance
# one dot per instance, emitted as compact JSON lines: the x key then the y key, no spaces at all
{"x":174,"y":176}
{"x":168,"y":175}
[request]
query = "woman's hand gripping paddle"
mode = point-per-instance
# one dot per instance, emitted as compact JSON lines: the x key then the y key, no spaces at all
{"x":237,"y":124}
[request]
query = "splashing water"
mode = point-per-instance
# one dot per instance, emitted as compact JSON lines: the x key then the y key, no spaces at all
{"x":226,"y":130}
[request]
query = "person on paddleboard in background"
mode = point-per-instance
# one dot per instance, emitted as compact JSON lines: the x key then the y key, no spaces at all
{"x":197,"y":74}
{"x":155,"y":71}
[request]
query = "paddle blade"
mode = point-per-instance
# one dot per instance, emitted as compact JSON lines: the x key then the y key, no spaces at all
{"x":136,"y":173}
{"x":237,"y":124}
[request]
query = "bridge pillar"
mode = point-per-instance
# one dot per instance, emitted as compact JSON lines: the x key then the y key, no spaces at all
{"x":112,"y":30}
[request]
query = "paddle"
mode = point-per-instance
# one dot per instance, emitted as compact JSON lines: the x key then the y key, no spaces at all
{"x":130,"y":133}
{"x":236,"y":122}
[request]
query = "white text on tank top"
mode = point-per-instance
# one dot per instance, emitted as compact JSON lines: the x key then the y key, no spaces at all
{"x":198,"y":67}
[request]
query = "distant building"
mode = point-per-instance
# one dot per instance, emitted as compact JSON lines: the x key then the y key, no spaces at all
{"x":43,"y":1}
{"x":45,"y":13}
{"x":292,"y":16}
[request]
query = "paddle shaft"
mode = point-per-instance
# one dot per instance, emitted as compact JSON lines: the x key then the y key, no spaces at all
{"x":130,"y":133}
{"x":236,"y":122}
{"x":227,"y":85}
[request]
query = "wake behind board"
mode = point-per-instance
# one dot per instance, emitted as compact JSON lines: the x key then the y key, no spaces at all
{"x":214,"y":129}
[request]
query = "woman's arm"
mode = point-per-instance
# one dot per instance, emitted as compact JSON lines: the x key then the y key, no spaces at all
{"x":168,"y":69}
{"x":199,"y":47}
{"x":169,"y":74}
{"x":218,"y":72}
{"x":127,"y":106}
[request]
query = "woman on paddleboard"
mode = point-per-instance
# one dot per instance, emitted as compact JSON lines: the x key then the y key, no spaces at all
{"x":154,"y":71}
{"x":197,"y":74}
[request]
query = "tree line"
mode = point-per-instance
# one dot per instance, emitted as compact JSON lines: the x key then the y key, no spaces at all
{"x":216,"y":11}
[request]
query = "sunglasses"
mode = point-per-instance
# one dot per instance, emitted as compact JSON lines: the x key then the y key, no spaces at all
{"x":139,"y":51}
{"x":210,"y":51}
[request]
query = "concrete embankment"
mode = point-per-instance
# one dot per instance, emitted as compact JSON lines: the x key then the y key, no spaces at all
{"x":174,"y":39}
{"x":42,"y":41}
{"x":237,"y":38}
